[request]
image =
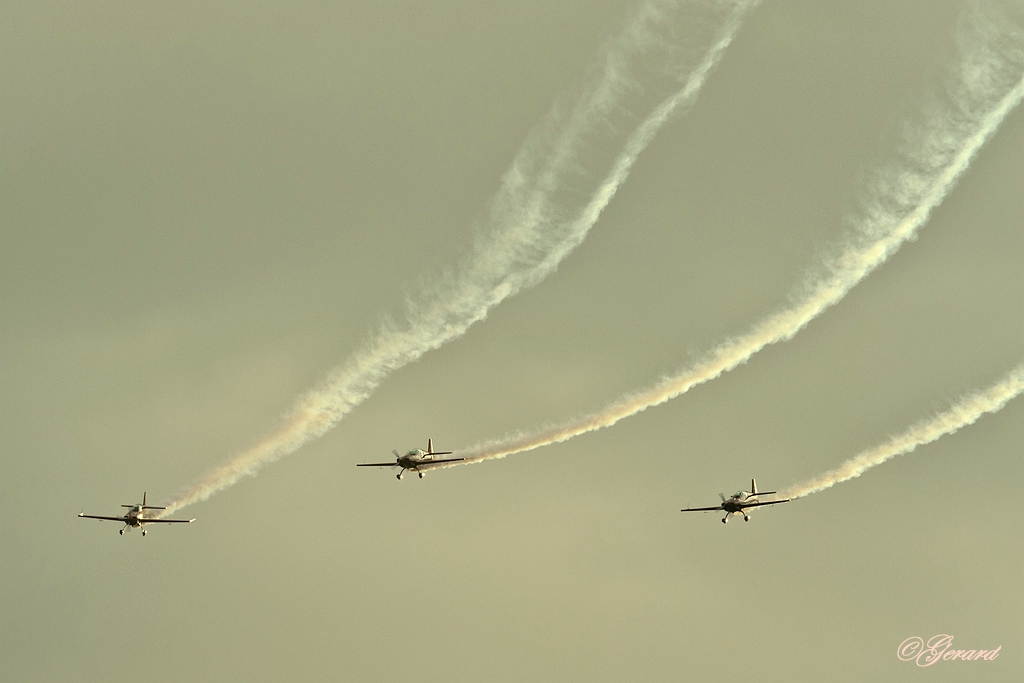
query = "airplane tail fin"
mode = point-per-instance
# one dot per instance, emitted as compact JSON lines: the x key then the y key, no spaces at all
{"x":431,"y":451}
{"x":149,"y":507}
{"x":753,"y":487}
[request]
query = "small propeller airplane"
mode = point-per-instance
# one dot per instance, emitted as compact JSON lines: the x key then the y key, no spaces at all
{"x":136,"y":516}
{"x":738,"y":503}
{"x":416,"y":460}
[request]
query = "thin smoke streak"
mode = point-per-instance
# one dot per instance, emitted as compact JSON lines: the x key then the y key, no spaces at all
{"x":900,"y":200}
{"x":528,"y":241}
{"x":965,"y":412}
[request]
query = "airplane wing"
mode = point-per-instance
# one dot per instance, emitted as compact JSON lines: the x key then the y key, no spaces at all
{"x":431,"y":464}
{"x":717,"y":507}
{"x":376,"y":464}
{"x":770,"y":502}
{"x":112,"y":519}
{"x":167,"y":521}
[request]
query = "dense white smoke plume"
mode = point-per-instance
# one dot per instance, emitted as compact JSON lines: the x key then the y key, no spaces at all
{"x":566,"y":173}
{"x":985,"y":85}
{"x":965,"y":412}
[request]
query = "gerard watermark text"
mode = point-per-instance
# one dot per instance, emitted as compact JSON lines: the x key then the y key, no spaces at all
{"x":938,"y":647}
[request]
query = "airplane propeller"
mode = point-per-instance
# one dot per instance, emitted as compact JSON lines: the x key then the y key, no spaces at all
{"x":722,"y":496}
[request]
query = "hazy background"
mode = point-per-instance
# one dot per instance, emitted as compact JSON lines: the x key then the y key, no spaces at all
{"x":204,"y":208}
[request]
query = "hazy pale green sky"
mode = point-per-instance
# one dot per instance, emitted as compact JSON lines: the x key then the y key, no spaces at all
{"x":204,"y":207}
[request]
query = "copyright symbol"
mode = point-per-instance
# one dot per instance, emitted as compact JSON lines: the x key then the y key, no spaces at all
{"x":910,"y":648}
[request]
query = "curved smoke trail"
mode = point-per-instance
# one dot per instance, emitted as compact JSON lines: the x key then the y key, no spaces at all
{"x":965,"y":412}
{"x":546,"y":205}
{"x":985,"y":87}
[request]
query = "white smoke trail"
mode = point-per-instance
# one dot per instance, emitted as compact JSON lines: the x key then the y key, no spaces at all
{"x":547,"y":203}
{"x":986,"y":85}
{"x":965,"y":412}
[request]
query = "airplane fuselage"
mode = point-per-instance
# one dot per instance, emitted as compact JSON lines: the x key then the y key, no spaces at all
{"x":411,"y":461}
{"x":415,"y":462}
{"x":408,"y":462}
{"x":735,"y":504}
{"x":134,"y":517}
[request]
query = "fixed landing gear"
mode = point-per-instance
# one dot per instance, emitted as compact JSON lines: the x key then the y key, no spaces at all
{"x":121,"y":531}
{"x":421,"y":474}
{"x":745,"y":518}
{"x":725,"y":520}
{"x":399,"y":477}
{"x":143,"y":532}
